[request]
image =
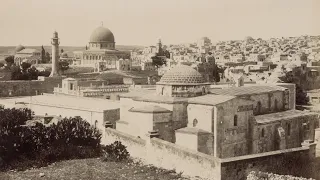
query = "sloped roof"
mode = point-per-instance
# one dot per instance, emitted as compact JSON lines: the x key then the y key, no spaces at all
{"x":247,"y":90}
{"x":149,"y":109}
{"x":210,"y":99}
{"x":192,"y":130}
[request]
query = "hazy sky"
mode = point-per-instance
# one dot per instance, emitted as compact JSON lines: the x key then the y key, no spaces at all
{"x":142,"y":22}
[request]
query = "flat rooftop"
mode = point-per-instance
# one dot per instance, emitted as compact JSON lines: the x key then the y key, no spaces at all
{"x":81,"y":103}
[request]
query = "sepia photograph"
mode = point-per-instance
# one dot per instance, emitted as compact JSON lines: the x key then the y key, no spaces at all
{"x":160,"y":90}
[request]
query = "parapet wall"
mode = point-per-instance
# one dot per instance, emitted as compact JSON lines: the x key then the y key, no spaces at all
{"x":167,"y":155}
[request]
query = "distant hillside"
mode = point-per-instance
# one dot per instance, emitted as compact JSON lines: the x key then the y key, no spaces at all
{"x":8,"y":49}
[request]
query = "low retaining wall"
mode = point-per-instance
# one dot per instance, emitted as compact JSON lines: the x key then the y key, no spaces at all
{"x":167,"y":155}
{"x":192,"y":163}
{"x":171,"y":156}
{"x":289,"y":161}
{"x":135,"y":146}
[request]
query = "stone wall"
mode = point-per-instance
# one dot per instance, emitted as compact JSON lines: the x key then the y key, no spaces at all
{"x":292,"y":93}
{"x":167,"y":155}
{"x":231,"y":128}
{"x":29,"y":88}
{"x":171,"y":156}
{"x":135,"y":146}
{"x":290,"y":161}
{"x":269,"y":139}
{"x":264,"y":175}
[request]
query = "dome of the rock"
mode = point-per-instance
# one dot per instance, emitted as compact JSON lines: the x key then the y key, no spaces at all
{"x":102,"y":34}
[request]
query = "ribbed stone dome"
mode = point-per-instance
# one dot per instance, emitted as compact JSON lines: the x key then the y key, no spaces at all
{"x":102,"y":34}
{"x":182,"y":74}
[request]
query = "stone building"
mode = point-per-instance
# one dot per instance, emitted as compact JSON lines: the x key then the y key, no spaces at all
{"x":32,"y":56}
{"x":102,"y":48}
{"x":97,"y":89}
{"x":223,"y":123}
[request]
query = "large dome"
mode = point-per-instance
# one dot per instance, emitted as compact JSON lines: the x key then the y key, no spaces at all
{"x":102,"y":34}
{"x":182,"y":74}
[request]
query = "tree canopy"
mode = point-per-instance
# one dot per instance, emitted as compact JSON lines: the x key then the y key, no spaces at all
{"x":158,"y":61}
{"x":63,"y":65}
{"x":9,"y":60}
{"x":301,"y":95}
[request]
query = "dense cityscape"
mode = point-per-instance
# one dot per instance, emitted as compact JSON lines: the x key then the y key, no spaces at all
{"x":203,"y":110}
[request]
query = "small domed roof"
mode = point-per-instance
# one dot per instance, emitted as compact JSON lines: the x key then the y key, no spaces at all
{"x":102,"y":34}
{"x":19,"y":48}
{"x":64,"y":55}
{"x":182,"y":74}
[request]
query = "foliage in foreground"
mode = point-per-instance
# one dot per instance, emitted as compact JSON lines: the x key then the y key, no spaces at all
{"x":23,"y":146}
{"x":116,"y":152}
{"x":270,"y":176}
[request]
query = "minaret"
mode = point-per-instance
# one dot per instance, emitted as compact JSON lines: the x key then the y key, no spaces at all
{"x":159,"y":47}
{"x":55,"y":55}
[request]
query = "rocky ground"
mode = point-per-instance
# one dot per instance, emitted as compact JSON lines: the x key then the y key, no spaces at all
{"x":94,"y":169}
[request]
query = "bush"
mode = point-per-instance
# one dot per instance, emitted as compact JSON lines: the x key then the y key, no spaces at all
{"x":116,"y":152}
{"x":24,"y":146}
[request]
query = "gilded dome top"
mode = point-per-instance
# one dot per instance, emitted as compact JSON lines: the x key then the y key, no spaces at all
{"x":182,"y":74}
{"x":102,"y":34}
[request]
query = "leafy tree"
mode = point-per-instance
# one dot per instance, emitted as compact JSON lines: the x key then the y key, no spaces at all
{"x":301,"y":95}
{"x":216,"y":73}
{"x":48,"y":57}
{"x":9,"y":60}
{"x":25,"y":66}
{"x":157,"y":61}
{"x":63,"y":65}
{"x":167,"y":53}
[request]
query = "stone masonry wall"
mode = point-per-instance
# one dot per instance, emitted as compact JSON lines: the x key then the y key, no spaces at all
{"x":29,"y":88}
{"x":291,"y":161}
{"x":167,"y":155}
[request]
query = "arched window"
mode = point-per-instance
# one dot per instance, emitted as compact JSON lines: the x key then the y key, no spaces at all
{"x":288,"y":129}
{"x":235,"y":120}
{"x":162,"y":90}
{"x":262,"y":132}
{"x":195,"y":122}
{"x":203,"y":90}
{"x":259,"y":108}
{"x":276,"y":104}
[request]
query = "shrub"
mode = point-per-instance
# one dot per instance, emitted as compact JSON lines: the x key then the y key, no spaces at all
{"x":74,"y":131}
{"x":116,"y":152}
{"x":23,"y":146}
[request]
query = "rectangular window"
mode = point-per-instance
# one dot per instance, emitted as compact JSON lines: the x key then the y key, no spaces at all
{"x":288,"y":129}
